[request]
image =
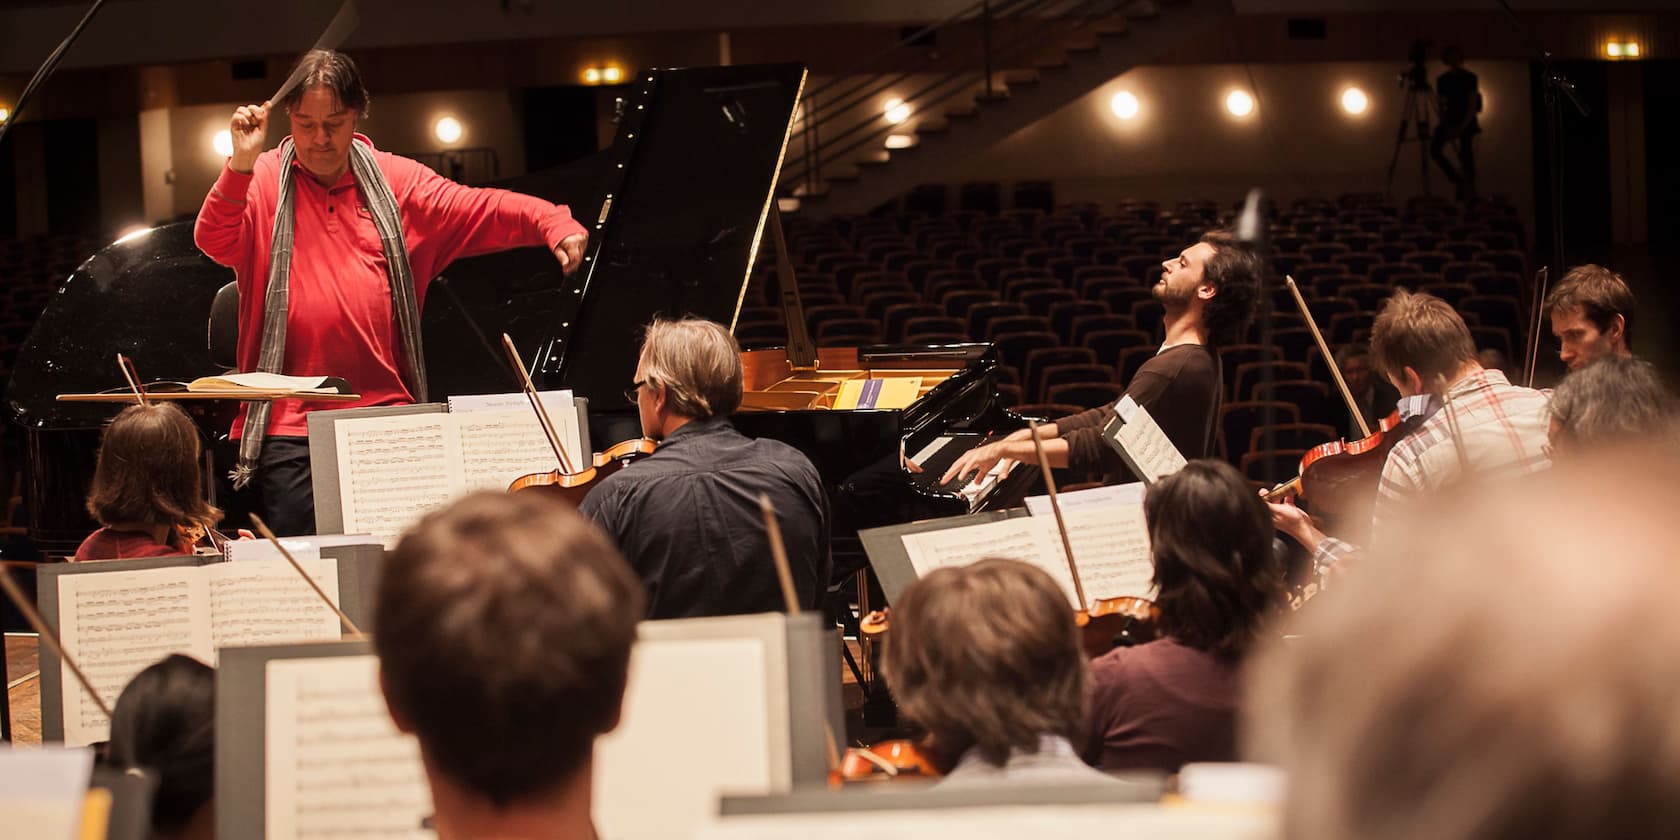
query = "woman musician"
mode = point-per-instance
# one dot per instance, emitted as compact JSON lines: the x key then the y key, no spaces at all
{"x":147,"y":492}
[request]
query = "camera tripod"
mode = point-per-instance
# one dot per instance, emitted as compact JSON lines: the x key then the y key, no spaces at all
{"x":1414,"y":125}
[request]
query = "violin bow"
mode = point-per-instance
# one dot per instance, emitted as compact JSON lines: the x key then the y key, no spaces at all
{"x":132,"y":374}
{"x":350,"y":626}
{"x":530,"y":389}
{"x":784,"y":573}
{"x":1329,"y":360}
{"x":1541,"y":279}
{"x":49,"y":638}
{"x":1056,"y":510}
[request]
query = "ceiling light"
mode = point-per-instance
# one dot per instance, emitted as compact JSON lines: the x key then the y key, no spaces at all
{"x":897,"y":111}
{"x":592,"y":76}
{"x":1239,"y":103}
{"x":222,"y":142}
{"x":1354,"y":101}
{"x":612,"y":74}
{"x":447,"y":129}
{"x":1124,"y":105}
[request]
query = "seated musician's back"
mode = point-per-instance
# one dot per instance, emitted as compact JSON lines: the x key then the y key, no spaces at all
{"x":503,"y":630}
{"x":687,"y":517}
{"x":146,"y":488}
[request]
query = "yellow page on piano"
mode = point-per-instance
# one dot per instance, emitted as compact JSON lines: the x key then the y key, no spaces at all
{"x":896,"y":392}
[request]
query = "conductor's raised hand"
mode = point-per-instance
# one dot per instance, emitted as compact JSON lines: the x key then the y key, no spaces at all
{"x":570,"y":251}
{"x":249,"y":130}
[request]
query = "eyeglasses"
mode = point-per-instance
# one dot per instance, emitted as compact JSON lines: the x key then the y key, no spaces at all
{"x":631,"y":392}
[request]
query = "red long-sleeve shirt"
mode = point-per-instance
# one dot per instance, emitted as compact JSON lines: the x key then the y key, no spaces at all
{"x":340,"y":320}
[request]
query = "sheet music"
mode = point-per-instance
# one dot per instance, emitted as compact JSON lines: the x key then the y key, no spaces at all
{"x":1140,"y":439}
{"x":500,"y":446}
{"x":1111,"y":546}
{"x":1108,"y":496}
{"x":673,"y":685}
{"x":114,"y":624}
{"x":554,"y":401}
{"x":392,"y":470}
{"x":1020,"y":538}
{"x":265,"y":602}
{"x":336,"y":767}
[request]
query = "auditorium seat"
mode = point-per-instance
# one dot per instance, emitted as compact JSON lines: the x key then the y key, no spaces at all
{"x":1301,"y":436}
{"x":1250,"y":374}
{"x":1086,"y":394}
{"x":1055,"y":376}
{"x":1038,"y":360}
{"x":1238,"y":420}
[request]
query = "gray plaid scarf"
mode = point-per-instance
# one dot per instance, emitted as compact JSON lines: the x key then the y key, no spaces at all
{"x":388,"y":220}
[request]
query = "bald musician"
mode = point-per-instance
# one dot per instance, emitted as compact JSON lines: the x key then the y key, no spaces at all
{"x":1419,"y":340}
{"x":334,"y":244}
{"x":503,"y":631}
{"x":1591,"y":310}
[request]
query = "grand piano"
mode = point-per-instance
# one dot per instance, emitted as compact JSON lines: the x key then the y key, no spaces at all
{"x":678,"y":208}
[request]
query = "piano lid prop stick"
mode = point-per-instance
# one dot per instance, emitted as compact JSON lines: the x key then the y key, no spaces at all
{"x":1056,"y":508}
{"x":262,"y":528}
{"x":784,"y":573}
{"x":49,"y":638}
{"x":343,"y":23}
{"x":530,"y":389}
{"x":126,"y":365}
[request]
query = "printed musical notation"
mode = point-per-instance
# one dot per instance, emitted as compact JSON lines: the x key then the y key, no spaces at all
{"x":500,"y":446}
{"x":114,"y":624}
{"x":1110,"y":546}
{"x":393,"y":469}
{"x":265,"y":602}
{"x":335,"y":765}
{"x":1141,"y":442}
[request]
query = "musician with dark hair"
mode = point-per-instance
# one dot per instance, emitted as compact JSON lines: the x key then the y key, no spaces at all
{"x":333,"y":244}
{"x":147,"y":491}
{"x":1591,"y":310}
{"x":1172,"y":701}
{"x":1208,"y":291}
{"x":503,"y":628}
{"x":165,"y":724}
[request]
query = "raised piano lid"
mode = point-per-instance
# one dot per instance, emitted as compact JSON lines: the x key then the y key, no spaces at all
{"x":700,"y":150}
{"x":147,"y":295}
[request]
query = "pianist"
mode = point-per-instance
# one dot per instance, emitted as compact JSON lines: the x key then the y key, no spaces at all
{"x":339,"y":293}
{"x":1208,"y":292}
{"x":687,"y":517}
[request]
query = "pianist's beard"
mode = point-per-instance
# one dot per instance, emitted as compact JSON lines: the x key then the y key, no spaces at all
{"x":1173,"y":296}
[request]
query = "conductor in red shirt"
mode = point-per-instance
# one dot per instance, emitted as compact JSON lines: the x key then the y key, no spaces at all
{"x":334,"y":243}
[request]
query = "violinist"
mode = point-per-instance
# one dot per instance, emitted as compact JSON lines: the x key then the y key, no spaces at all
{"x":1208,"y":292}
{"x":1591,"y":310}
{"x":1160,"y":705}
{"x":1418,"y":340}
{"x":687,"y":516}
{"x":987,"y":659}
{"x":164,"y":722}
{"x":147,"y":493}
{"x":503,"y":631}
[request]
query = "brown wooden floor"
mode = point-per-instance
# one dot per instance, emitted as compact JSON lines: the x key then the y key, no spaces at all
{"x":23,"y":687}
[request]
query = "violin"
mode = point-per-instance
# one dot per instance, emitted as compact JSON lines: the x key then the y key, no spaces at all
{"x":897,"y":760}
{"x":573,"y":486}
{"x":1117,"y":622}
{"x":1340,"y":477}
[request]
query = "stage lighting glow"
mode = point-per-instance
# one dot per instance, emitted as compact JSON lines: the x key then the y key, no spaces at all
{"x":900,"y":141}
{"x":222,"y":142}
{"x":612,"y":74}
{"x":897,"y":111}
{"x":1239,"y":103}
{"x":1124,"y":105}
{"x":592,"y":76}
{"x":447,"y":129}
{"x":1354,"y":101}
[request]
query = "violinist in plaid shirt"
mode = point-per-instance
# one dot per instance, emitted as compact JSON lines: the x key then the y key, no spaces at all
{"x":1419,"y":341}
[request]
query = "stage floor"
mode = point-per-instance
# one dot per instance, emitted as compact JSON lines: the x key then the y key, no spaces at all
{"x":23,"y":687}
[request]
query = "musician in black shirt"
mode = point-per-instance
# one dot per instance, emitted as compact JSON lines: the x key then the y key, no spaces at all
{"x":687,"y":517}
{"x":1209,"y":292}
{"x":1458,"y":101}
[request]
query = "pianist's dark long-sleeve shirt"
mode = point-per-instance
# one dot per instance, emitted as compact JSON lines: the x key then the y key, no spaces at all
{"x":687,"y":518}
